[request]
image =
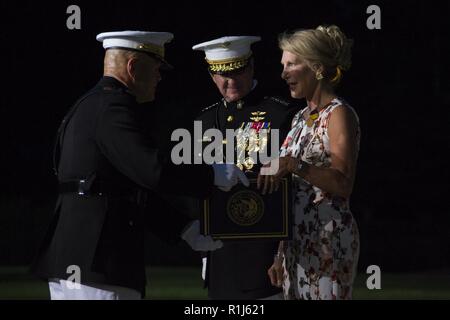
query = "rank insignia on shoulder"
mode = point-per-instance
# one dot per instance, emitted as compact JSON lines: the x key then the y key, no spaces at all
{"x":211,"y":106}
{"x":279,"y":100}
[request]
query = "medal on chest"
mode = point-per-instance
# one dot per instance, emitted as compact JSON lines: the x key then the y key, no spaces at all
{"x":252,"y":137}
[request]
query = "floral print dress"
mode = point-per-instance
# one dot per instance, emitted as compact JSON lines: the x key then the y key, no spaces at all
{"x":320,"y":261}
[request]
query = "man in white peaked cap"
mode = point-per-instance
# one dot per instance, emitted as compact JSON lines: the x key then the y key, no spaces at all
{"x":239,"y":269}
{"x":144,"y":54}
{"x":106,"y":168}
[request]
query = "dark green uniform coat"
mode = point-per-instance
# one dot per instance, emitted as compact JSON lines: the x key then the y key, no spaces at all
{"x":101,"y":229}
{"x":239,"y":269}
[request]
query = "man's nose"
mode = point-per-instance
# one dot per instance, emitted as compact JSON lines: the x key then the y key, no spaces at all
{"x":227,"y":78}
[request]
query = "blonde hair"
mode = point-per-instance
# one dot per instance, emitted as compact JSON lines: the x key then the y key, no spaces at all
{"x":326,"y":45}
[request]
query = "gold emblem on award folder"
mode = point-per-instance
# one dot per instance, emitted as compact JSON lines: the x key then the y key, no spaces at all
{"x":245,"y":208}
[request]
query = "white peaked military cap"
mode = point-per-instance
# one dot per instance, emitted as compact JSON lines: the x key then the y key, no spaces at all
{"x":148,"y":42}
{"x":227,"y":54}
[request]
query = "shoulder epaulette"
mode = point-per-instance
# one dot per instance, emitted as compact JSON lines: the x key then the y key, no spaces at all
{"x":211,"y":106}
{"x":279,"y":100}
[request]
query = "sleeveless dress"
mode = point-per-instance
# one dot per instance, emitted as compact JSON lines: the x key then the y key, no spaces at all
{"x":320,"y":261}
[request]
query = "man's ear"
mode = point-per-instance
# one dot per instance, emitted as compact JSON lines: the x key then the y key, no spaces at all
{"x":131,"y":68}
{"x":252,"y":63}
{"x":252,"y":66}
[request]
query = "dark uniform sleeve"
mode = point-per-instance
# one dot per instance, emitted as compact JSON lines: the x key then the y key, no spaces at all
{"x":192,"y":180}
{"x":198,"y":178}
{"x":120,"y":139}
{"x":168,"y":223}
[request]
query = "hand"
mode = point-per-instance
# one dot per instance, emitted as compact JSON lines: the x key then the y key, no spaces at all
{"x":270,"y":175}
{"x":199,"y":242}
{"x":275,"y":272}
{"x":226,"y":176}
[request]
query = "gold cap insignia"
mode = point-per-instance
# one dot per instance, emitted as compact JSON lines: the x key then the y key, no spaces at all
{"x":148,"y":47}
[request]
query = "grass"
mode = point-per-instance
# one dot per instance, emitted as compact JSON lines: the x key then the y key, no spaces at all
{"x":185,"y":283}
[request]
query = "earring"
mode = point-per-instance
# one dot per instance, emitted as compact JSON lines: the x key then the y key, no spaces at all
{"x":319,"y":75}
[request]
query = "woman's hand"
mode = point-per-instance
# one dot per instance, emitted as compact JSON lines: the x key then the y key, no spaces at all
{"x":275,"y":272}
{"x":271,"y":174}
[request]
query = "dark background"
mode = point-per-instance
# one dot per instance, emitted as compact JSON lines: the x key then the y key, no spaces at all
{"x":398,"y":84}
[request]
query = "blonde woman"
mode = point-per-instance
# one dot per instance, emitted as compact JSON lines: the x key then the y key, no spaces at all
{"x":320,"y":152}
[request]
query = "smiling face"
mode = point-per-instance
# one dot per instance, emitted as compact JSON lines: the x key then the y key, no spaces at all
{"x":235,"y":86}
{"x":298,"y":75}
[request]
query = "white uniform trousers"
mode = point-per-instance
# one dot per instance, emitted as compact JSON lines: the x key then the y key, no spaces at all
{"x":67,"y":290}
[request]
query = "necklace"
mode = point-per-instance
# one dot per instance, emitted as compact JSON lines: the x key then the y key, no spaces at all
{"x":314,"y":114}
